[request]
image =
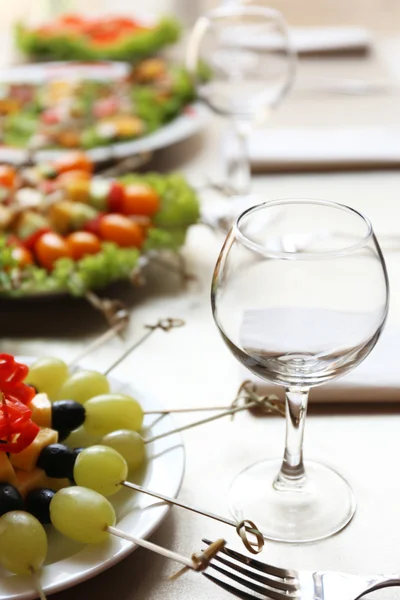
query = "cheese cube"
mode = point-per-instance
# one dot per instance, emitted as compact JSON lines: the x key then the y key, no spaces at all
{"x":40,"y":406}
{"x":27,"y":459}
{"x":7,"y":473}
{"x":56,"y":484}
{"x":30,"y":481}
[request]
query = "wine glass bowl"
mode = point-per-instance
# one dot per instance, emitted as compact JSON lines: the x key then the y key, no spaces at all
{"x":300,"y":295}
{"x":251,"y":68}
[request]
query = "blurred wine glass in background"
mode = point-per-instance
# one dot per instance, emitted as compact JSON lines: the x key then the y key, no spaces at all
{"x":243,"y":65}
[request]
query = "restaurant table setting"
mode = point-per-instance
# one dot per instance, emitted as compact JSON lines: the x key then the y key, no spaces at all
{"x":180,"y":270}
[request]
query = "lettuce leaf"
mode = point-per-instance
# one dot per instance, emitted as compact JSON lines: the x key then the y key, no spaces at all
{"x":130,"y":49}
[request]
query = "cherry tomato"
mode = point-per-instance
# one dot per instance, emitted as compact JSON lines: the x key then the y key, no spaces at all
{"x":49,"y":248}
{"x":140,"y":199}
{"x":82,"y":243}
{"x":121,"y":230}
{"x":30,"y":242}
{"x":93,"y":226}
{"x":115,"y":196}
{"x":22,"y":255}
{"x":7,"y":176}
{"x":73,"y":161}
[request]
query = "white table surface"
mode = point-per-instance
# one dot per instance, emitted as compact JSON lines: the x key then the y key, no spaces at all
{"x":191,"y":366}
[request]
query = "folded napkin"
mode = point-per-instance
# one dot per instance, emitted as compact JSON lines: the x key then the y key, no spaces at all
{"x":375,"y":380}
{"x":306,"y":40}
{"x":310,"y":40}
{"x":313,"y":149}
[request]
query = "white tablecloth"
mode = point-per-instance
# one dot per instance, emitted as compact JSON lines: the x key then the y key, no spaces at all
{"x":192,"y":366}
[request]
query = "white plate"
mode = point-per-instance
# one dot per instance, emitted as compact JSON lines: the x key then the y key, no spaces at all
{"x":69,"y":562}
{"x":182,"y":127}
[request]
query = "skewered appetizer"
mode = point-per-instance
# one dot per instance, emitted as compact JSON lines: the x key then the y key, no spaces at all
{"x":34,"y":464}
{"x":63,"y":228}
{"x":79,"y":480}
{"x":34,"y":467}
{"x":67,"y":112}
{"x":73,"y":36}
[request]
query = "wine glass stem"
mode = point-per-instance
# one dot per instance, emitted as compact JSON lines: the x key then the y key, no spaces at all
{"x":292,"y":471}
{"x":238,"y":167}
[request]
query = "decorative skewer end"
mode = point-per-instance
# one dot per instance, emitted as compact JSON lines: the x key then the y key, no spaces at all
{"x":201,"y":560}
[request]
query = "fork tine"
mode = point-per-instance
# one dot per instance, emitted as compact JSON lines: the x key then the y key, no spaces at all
{"x":274,"y":583}
{"x":230,"y":589}
{"x":263,"y":591}
{"x":258,"y":565}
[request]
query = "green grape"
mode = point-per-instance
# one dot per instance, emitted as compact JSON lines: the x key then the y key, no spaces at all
{"x":83,"y":385}
{"x":129,"y":444}
{"x":23,"y":545}
{"x":109,"y":412}
{"x":47,"y":375}
{"x":79,"y":438}
{"x":101,"y":469}
{"x":82,"y":515}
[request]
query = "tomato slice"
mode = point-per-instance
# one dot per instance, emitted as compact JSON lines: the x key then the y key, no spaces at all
{"x":72,"y":19}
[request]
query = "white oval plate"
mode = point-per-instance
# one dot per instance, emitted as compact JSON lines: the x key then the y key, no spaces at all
{"x":70,"y":563}
{"x":182,"y":127}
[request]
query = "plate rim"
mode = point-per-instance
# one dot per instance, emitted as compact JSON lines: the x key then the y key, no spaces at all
{"x":118,"y":549}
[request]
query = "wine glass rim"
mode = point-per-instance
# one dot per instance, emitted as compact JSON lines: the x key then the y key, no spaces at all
{"x":225,"y":11}
{"x":301,"y":255}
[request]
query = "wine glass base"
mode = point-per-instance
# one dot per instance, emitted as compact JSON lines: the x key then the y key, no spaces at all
{"x":320,"y":507}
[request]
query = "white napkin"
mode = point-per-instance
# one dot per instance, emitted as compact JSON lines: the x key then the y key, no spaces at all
{"x":282,"y":149}
{"x":307,"y":40}
{"x":376,"y":379}
{"x":330,"y":39}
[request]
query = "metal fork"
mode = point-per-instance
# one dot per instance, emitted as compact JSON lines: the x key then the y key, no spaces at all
{"x":250,"y":579}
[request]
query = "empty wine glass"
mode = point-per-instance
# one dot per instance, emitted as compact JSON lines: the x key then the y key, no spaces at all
{"x":300,"y":294}
{"x":251,"y":65}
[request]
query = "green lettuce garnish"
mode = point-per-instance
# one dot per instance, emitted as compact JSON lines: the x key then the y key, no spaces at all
{"x":66,"y":47}
{"x":179,"y":209}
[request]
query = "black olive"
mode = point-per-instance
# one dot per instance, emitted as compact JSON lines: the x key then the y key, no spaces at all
{"x":57,"y":461}
{"x":10,"y":498}
{"x":67,"y":415}
{"x":37,"y":503}
{"x":63,"y":434}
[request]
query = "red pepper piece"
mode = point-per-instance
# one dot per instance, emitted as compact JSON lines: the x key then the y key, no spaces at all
{"x":6,"y":366}
{"x":20,"y":391}
{"x":22,"y":440}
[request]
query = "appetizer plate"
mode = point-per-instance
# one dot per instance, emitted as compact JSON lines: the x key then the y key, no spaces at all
{"x":69,"y":563}
{"x":182,"y":127}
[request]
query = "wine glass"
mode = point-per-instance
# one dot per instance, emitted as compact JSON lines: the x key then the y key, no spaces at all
{"x":243,"y":64}
{"x":300,"y":294}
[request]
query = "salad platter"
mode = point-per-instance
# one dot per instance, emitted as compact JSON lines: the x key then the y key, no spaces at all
{"x":69,"y":562}
{"x":80,"y":37}
{"x":65,"y":229}
{"x":110,"y":109}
